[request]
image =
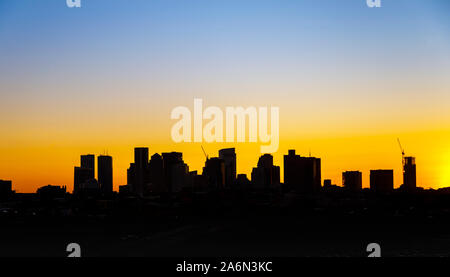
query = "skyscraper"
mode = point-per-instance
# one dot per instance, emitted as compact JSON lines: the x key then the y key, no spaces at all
{"x":382,"y":180}
{"x":141,"y":170}
{"x":229,"y":157}
{"x":85,"y":172}
{"x":175,"y":171}
{"x":88,"y":162}
{"x":214,"y":171}
{"x":265,"y":175}
{"x":81,"y":176}
{"x":352,"y":180}
{"x":157,"y":173}
{"x":409,"y":173}
{"x":302,"y":174}
{"x":105,"y":174}
{"x":5,"y":189}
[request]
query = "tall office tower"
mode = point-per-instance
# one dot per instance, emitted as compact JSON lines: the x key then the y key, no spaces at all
{"x":130,"y":175}
{"x":105,"y":174}
{"x":382,"y":180}
{"x":352,"y":180}
{"x":302,"y":174}
{"x":229,"y":157}
{"x":84,"y":173}
{"x":157,"y":174}
{"x":141,"y":170}
{"x":175,"y":171}
{"x":81,"y":176}
{"x":214,"y":171}
{"x":88,"y":161}
{"x":409,"y":173}
{"x":265,"y":175}
{"x":5,"y":189}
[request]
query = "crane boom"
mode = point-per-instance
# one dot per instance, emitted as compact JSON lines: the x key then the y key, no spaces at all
{"x":207,"y":158}
{"x":401,"y":148}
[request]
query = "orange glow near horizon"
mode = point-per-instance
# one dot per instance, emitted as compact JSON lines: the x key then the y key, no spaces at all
{"x":33,"y":164}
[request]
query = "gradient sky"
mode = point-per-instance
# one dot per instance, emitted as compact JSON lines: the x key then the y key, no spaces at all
{"x":348,"y":80}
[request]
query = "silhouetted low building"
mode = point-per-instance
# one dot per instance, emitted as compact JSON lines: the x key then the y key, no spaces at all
{"x":49,"y":192}
{"x":382,"y":180}
{"x":125,"y":190}
{"x":242,"y":182}
{"x":326,"y":183}
{"x":352,"y":180}
{"x":90,"y":188}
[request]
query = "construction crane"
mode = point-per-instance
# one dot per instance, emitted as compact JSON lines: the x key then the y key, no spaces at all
{"x":401,"y":149}
{"x":207,"y":158}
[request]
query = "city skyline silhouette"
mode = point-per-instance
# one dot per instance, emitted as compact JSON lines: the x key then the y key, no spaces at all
{"x":152,"y":173}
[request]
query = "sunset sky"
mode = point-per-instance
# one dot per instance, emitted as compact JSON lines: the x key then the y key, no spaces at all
{"x":349,"y":80}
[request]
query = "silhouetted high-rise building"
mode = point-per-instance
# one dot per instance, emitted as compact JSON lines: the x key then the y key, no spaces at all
{"x":175,"y":171}
{"x":157,"y":173}
{"x":84,"y":172}
{"x":140,"y":171}
{"x":302,"y":174}
{"x":352,"y":180}
{"x":5,"y":189}
{"x":88,"y":161}
{"x":130,"y":176}
{"x":409,"y":173}
{"x":214,"y":170}
{"x":105,"y":174}
{"x":229,"y":157}
{"x":265,"y":175}
{"x":81,"y":176}
{"x":381,"y":180}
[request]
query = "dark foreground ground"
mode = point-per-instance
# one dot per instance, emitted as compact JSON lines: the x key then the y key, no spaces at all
{"x":228,"y":237}
{"x":286,"y":229}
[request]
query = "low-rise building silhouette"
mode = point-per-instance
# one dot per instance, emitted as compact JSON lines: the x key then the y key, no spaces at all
{"x":47,"y":193}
